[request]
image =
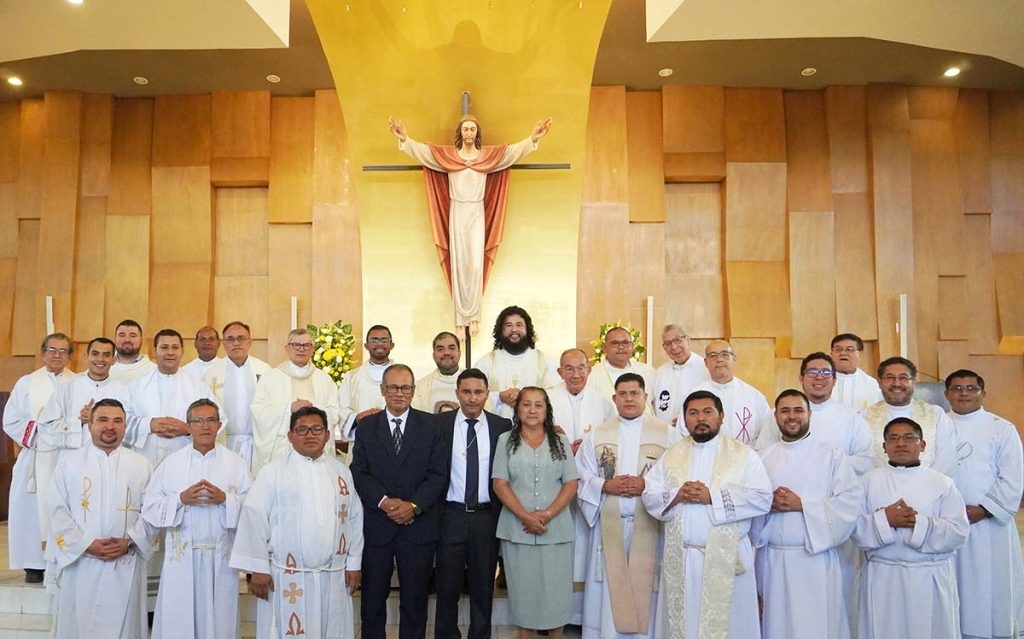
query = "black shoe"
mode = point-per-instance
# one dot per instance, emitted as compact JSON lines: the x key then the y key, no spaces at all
{"x":33,"y":576}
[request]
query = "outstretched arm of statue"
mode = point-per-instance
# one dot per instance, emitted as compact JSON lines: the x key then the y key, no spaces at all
{"x":397,"y":128}
{"x":539,"y":130}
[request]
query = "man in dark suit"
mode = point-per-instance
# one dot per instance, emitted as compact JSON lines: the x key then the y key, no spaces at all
{"x":399,"y":467}
{"x":468,"y":547}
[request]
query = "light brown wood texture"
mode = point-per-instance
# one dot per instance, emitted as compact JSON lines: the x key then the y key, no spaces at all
{"x":812,"y":269}
{"x":975,"y":151}
{"x":240,"y":171}
{"x":954,"y":312}
{"x":647,"y":264}
{"x":31,"y":168}
{"x":290,"y":274}
{"x":27,"y":327}
{"x":758,"y":302}
{"x":856,"y":310}
{"x":787,"y":375}
{"x":755,"y":125}
{"x":8,"y":219}
{"x":14,"y":368}
{"x":953,"y":355}
{"x":97,"y":127}
{"x":242,"y":298}
{"x":241,"y":232}
{"x":646,"y":160}
{"x":1006,"y":122}
{"x":808,"y":173}
{"x":1004,"y":377}
{"x":131,"y":191}
{"x":755,"y":363}
{"x":846,"y":117}
{"x":693,"y":228}
{"x":126,"y":291}
{"x":696,"y":301}
{"x":693,"y":119}
{"x":10,"y":141}
{"x":181,"y":130}
{"x":181,"y":219}
{"x":90,"y":262}
{"x":240,"y":124}
{"x":606,"y":162}
{"x":291,"y":160}
{"x":1009,"y":274}
{"x":981,"y":291}
{"x":931,"y":103}
{"x":755,"y":211}
{"x":179,"y":297}
{"x":1008,"y":203}
{"x":9,"y":274}
{"x":694,"y":167}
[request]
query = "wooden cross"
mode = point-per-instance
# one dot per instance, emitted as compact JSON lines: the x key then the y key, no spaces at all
{"x":293,"y":593}
{"x":127,"y":508}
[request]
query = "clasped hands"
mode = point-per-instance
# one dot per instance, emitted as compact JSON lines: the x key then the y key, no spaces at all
{"x":900,"y":514}
{"x":168,"y":427}
{"x":262,"y":584}
{"x":398,"y":510}
{"x":110,"y":548}
{"x":785,"y":500}
{"x":202,"y":493}
{"x":624,"y":486}
{"x":692,"y":492}
{"x":536,"y":522}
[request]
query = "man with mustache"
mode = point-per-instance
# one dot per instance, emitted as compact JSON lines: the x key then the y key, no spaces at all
{"x":854,"y":387}
{"x":436,"y":392}
{"x":130,"y":362}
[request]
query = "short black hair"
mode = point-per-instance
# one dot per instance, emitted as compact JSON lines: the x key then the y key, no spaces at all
{"x":471,"y":373}
{"x":107,"y":401}
{"x":306,"y":411}
{"x":630,"y":377}
{"x":101,"y":340}
{"x":845,"y":336}
{"x":963,"y":372}
{"x":444,"y":334}
{"x":167,"y":332}
{"x":703,"y":394}
{"x":818,"y":355}
{"x":128,"y":322}
{"x":896,"y":361}
{"x":378,"y":327}
{"x":905,"y":421}
{"x":792,"y":392}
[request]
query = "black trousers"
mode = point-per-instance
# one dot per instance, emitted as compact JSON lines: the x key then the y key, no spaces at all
{"x":467,"y":551}
{"x":414,"y":562}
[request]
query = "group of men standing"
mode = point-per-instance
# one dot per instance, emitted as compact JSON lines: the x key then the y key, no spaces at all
{"x":849,"y":508}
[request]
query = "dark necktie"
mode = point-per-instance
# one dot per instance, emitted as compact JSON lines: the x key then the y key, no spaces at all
{"x":396,"y":435}
{"x":472,"y":465}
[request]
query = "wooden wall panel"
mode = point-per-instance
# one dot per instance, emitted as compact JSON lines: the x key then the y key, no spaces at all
{"x":983,"y":337}
{"x":240,"y":172}
{"x":787,"y":375}
{"x":241,"y":232}
{"x":181,"y":130}
{"x":8,"y":274}
{"x":179,"y":297}
{"x":808,"y":173}
{"x":31,"y":168}
{"x":1004,"y":377}
{"x":931,"y":103}
{"x":755,"y":363}
{"x":954,"y":316}
{"x":126,"y":291}
{"x":606,"y":161}
{"x":182,"y":221}
{"x":755,"y":125}
{"x":27,"y":326}
{"x":856,"y":311}
{"x":846,"y":116}
{"x":758,"y":302}
{"x":694,"y":167}
{"x":14,"y":368}
{"x":10,"y":141}
{"x":1009,"y":273}
{"x":972,"y":141}
{"x":953,"y":355}
{"x":646,"y":159}
{"x":90,"y":262}
{"x":8,"y":219}
{"x":937,"y":200}
{"x":291,"y":159}
{"x":755,"y":211}
{"x":693,"y":228}
{"x":241,"y":297}
{"x":1006,"y":112}
{"x":240,"y":124}
{"x":693,"y":119}
{"x":812,"y":269}
{"x":646,"y":264}
{"x":131,"y":191}
{"x":290,"y":274}
{"x":97,"y":126}
{"x":1008,"y":203}
{"x":696,"y":301}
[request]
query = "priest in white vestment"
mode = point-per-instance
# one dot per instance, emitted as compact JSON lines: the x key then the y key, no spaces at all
{"x":301,"y":536}
{"x":747,"y":413}
{"x":990,"y":477}
{"x":28,"y":399}
{"x":625,"y":542}
{"x":707,"y":489}
{"x":207,"y":345}
{"x":435,"y":392}
{"x":515,"y":362}
{"x":898,"y":379}
{"x":912,"y":522}
{"x":677,"y":378}
{"x":294,"y":384}
{"x":99,"y":542}
{"x":854,"y":387}
{"x":816,"y":501}
{"x":195,"y":497}
{"x":159,"y":400}
{"x":359,"y":394}
{"x":131,"y":363}
{"x":618,"y":360}
{"x":231,"y":381}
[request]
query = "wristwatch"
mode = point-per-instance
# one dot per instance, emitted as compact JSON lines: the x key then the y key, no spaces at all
{"x":416,"y":510}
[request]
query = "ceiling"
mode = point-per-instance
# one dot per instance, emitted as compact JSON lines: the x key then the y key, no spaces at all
{"x":848,"y":42}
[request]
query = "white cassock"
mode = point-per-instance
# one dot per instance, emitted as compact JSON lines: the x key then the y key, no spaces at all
{"x":159,"y":395}
{"x":740,"y":490}
{"x":989,"y":572}
{"x":96,"y":496}
{"x":359,"y":391}
{"x":434,"y":391}
{"x":28,"y":399}
{"x":126,"y":373}
{"x":837,"y":426}
{"x":747,"y":413}
{"x":939,"y":433}
{"x":908,"y":586}
{"x":597,"y":620}
{"x":198,"y":596}
{"x":302,"y":523}
{"x":233,"y":388}
{"x":529,"y":368}
{"x":197,"y":368}
{"x":603,"y":376}
{"x":799,"y":567}
{"x":272,"y":412}
{"x":858,"y":390}
{"x":673,"y":382}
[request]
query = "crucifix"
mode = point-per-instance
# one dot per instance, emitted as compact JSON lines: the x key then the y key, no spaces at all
{"x":467,"y":190}
{"x":127,"y":508}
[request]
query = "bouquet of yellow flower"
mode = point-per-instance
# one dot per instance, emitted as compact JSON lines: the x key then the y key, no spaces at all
{"x":598,"y":344}
{"x":335,"y":348}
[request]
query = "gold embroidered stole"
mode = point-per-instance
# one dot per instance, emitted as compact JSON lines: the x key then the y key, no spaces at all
{"x":877,"y":416}
{"x":633,"y":577}
{"x":721,"y":554}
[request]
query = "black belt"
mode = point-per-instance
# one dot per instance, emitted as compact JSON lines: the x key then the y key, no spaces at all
{"x":467,"y":508}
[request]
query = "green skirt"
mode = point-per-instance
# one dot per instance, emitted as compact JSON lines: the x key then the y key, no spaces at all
{"x":539,"y":584}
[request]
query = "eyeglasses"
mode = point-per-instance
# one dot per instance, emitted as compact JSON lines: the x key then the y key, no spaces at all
{"x":395,"y":388}
{"x":968,"y":389}
{"x":621,"y":343}
{"x":302,"y":431}
{"x":238,"y":339}
{"x":301,"y":346}
{"x":845,"y":349}
{"x":897,"y":378}
{"x":824,"y":373}
{"x":908,"y":437}
{"x":199,"y":421}
{"x":378,"y":340}
{"x":717,"y":354}
{"x":675,"y":341}
{"x":56,"y":351}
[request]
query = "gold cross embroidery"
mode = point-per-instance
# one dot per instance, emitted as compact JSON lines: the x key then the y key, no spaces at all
{"x":293,"y":593}
{"x":127,"y":508}
{"x":214,"y":386}
{"x":343,"y":514}
{"x":86,"y":489}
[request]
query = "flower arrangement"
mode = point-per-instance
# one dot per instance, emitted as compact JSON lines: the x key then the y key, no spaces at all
{"x":598,"y":344}
{"x":334,"y":348}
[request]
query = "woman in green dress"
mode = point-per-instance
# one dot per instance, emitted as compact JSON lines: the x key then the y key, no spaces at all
{"x":535,"y":478}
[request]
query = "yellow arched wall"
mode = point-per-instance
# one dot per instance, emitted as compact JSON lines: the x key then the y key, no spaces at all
{"x":520,"y":61}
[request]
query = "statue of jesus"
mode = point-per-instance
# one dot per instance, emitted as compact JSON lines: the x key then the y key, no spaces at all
{"x":467,"y":189}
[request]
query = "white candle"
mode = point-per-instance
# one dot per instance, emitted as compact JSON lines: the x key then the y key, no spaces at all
{"x":295,"y":312}
{"x":650,"y":329}
{"x":49,"y":314}
{"x":903,"y":325}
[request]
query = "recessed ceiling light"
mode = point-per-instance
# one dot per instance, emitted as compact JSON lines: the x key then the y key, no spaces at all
{"x":14,"y":81}
{"x":665,"y":72}
{"x":273,"y":78}
{"x":75,"y":1}
{"x":139,"y":79}
{"x":952,"y":72}
{"x":808,"y":72}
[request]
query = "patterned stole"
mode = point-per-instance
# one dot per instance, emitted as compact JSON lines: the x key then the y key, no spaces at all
{"x":877,"y":416}
{"x":721,"y":555}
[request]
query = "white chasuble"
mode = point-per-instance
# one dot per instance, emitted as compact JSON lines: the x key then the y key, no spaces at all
{"x":128,"y":372}
{"x":198,"y":597}
{"x":359,"y":391}
{"x":707,"y":587}
{"x":302,"y":523}
{"x":159,"y":395}
{"x":858,"y":390}
{"x":603,"y":377}
{"x":435,"y":392}
{"x":578,"y":415}
{"x":939,"y":433}
{"x":673,"y":383}
{"x":98,"y":496}
{"x":271,"y":407}
{"x":503,"y":371}
{"x":233,"y":388}
{"x":747,"y":414}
